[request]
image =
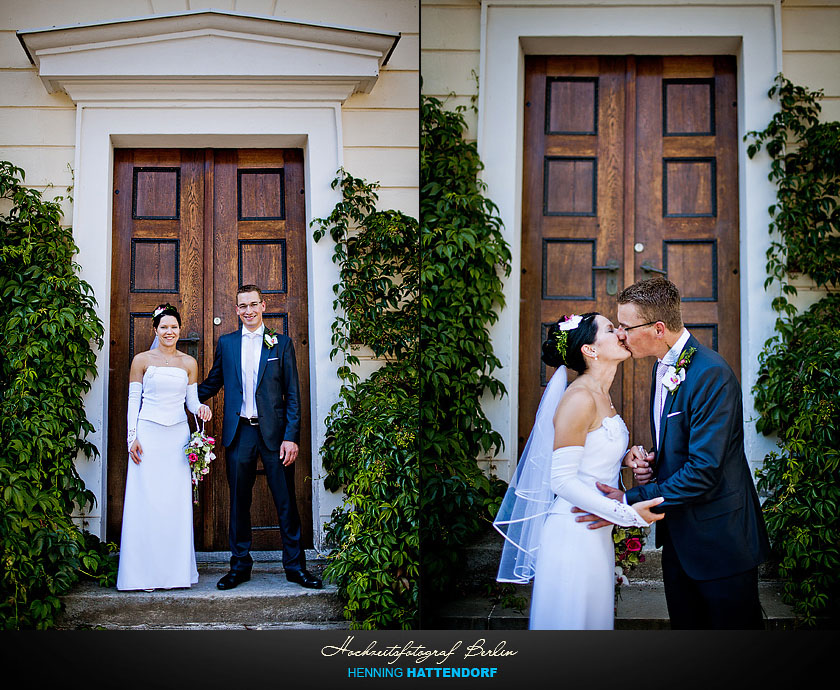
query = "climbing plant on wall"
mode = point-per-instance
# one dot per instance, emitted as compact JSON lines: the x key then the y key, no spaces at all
{"x":797,"y":393}
{"x":49,"y":335}
{"x":370,"y":450}
{"x":464,"y":260}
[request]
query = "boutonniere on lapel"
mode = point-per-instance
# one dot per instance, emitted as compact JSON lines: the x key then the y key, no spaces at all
{"x":675,"y":374}
{"x":270,"y":338}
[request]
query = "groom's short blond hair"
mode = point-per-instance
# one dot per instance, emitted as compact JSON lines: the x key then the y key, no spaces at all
{"x":656,"y":299}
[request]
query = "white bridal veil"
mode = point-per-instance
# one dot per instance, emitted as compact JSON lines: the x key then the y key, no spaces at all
{"x":529,"y":496}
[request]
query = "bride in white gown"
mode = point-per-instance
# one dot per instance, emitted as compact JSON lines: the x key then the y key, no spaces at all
{"x":156,"y":545}
{"x":577,"y":440}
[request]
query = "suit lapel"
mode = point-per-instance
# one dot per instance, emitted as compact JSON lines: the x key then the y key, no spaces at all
{"x":652,"y":403}
{"x":663,"y":422}
{"x":263,"y":359}
{"x":237,"y":353}
{"x":669,"y":399}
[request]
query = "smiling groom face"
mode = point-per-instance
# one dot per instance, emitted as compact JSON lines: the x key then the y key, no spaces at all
{"x":250,"y":307}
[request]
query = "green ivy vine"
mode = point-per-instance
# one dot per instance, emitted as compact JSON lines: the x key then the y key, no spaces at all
{"x":464,"y":260}
{"x":49,"y":334}
{"x":797,"y":392}
{"x":370,"y":449}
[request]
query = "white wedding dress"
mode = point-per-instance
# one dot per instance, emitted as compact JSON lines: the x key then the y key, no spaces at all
{"x":157,"y":549}
{"x":574,"y":581}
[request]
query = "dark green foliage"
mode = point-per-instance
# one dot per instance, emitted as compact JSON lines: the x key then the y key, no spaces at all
{"x":805,"y":163}
{"x":798,"y":397}
{"x":371,"y":443}
{"x":464,"y":257}
{"x":797,"y":393}
{"x":48,"y":332}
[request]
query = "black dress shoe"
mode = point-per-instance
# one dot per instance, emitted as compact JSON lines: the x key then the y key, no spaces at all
{"x":232,"y":579}
{"x":304,"y":578}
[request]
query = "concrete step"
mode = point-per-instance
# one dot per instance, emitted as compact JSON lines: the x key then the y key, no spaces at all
{"x":641,"y":606}
{"x":482,"y":561}
{"x":266,"y":601}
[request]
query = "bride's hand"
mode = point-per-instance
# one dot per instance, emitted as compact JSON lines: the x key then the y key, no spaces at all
{"x":205,"y":414}
{"x":643,"y":509}
{"x":135,"y":450}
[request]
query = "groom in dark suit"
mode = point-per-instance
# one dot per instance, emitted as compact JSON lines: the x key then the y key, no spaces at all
{"x":713,"y":536}
{"x":258,"y":371}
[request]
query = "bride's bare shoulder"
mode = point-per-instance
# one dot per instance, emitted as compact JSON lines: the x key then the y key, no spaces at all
{"x":577,"y":403}
{"x":573,"y":417}
{"x":139,"y":365}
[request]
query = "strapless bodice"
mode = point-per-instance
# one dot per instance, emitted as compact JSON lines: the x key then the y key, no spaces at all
{"x":164,"y":393}
{"x":603,"y":450}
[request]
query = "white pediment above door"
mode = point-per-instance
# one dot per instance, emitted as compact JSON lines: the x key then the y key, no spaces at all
{"x":209,"y":47}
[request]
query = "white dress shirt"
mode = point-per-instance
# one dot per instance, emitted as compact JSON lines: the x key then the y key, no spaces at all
{"x":251,"y":344}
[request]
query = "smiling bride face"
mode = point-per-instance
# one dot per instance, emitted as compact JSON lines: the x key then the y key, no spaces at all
{"x":168,"y":330}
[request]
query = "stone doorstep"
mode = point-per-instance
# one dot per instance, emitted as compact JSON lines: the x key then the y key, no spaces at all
{"x":266,"y":601}
{"x":641,"y":606}
{"x":482,"y":562}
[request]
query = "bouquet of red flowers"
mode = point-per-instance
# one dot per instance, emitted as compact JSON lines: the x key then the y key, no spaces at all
{"x":199,"y":452}
{"x":628,"y":550}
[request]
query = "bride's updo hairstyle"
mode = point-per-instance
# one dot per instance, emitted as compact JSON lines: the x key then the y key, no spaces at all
{"x":165,"y":310}
{"x":556,"y":352}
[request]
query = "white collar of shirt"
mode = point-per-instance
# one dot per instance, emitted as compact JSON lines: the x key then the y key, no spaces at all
{"x":671,"y":356}
{"x":253,"y":334}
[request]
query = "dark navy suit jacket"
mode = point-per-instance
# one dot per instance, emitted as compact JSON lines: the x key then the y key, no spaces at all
{"x":712,"y":512}
{"x":277,"y":391}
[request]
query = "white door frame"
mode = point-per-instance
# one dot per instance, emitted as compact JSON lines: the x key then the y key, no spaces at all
{"x":511,"y":29}
{"x":216,"y":80}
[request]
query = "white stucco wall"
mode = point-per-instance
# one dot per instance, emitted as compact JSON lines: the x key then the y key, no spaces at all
{"x":61,"y":139}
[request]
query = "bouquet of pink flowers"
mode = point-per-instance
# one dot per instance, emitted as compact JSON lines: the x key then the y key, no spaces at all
{"x":199,"y":452}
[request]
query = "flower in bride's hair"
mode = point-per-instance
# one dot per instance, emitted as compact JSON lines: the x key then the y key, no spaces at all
{"x":157,"y":312}
{"x":569,"y":323}
{"x":564,"y":325}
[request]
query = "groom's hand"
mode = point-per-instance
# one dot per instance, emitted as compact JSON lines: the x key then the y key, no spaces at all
{"x":597,"y":522}
{"x":611,"y":492}
{"x":288,"y":452}
{"x":641,"y":462}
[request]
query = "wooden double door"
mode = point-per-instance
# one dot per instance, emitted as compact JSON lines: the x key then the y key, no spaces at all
{"x":189,"y":227}
{"x":630,"y":171}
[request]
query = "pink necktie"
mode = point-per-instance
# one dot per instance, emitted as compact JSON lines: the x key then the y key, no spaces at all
{"x":249,"y":376}
{"x":658,"y":398}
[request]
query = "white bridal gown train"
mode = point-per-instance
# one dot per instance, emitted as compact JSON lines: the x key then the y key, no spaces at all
{"x":574,"y":582}
{"x":157,"y":549}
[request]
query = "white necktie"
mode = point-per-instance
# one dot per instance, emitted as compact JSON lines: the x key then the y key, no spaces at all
{"x":658,"y":397}
{"x":249,"y":375}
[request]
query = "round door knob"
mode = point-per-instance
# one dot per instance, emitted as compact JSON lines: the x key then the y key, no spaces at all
{"x":217,"y":321}
{"x":638,"y":247}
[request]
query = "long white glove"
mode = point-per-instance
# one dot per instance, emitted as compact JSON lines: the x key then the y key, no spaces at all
{"x":566,"y":483}
{"x":135,"y":394}
{"x":192,"y":398}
